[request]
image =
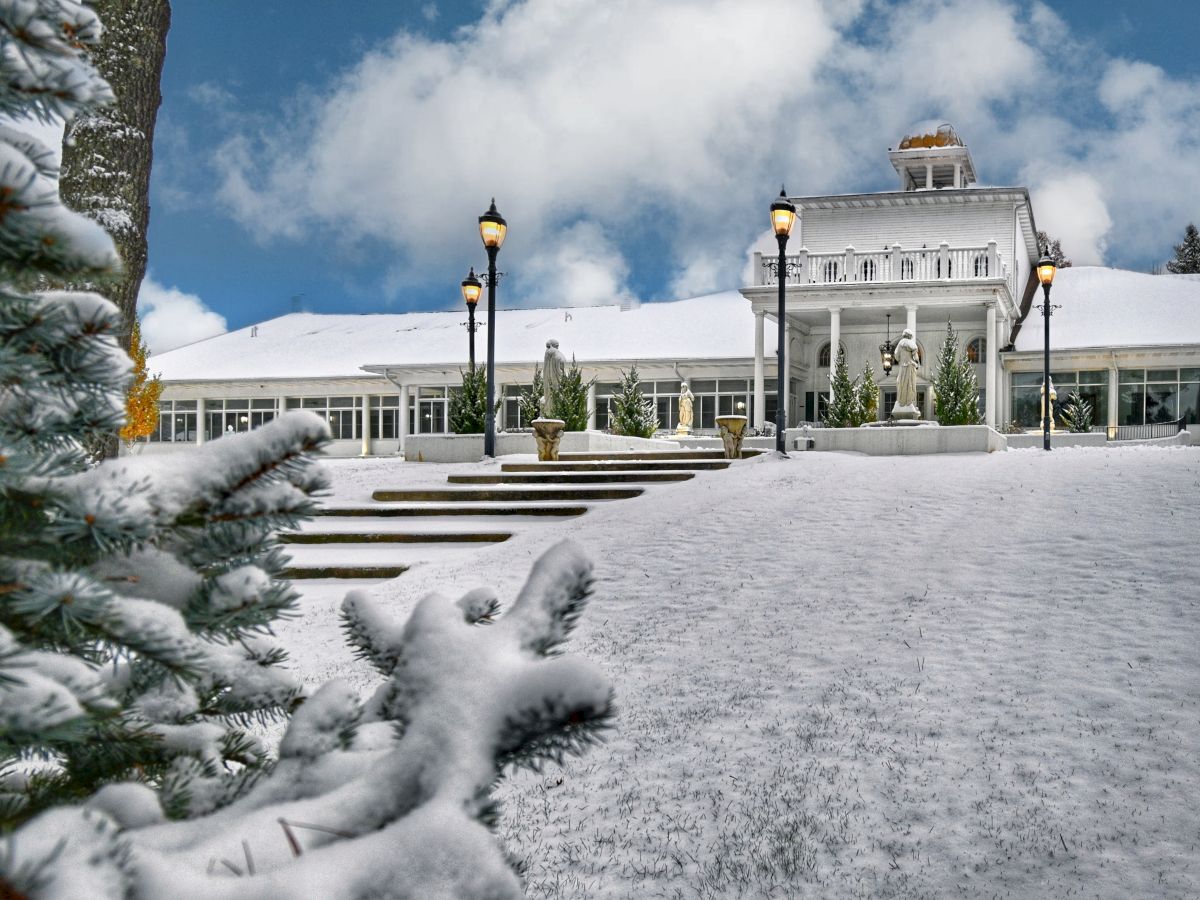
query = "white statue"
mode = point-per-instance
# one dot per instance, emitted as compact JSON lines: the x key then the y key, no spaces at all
{"x":686,"y":398}
{"x":908,"y":357}
{"x":1042,"y":406}
{"x":553,"y":366}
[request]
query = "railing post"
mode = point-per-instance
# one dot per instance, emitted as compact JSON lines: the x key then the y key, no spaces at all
{"x":944,"y":259}
{"x":802,"y":258}
{"x":760,"y":274}
{"x":851,"y":274}
{"x":896,"y":273}
{"x":993,"y":260}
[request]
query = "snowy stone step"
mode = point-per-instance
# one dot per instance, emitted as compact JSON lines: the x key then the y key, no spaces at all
{"x":582,"y":456}
{"x":298,"y":573}
{"x":395,"y":537}
{"x":507,"y":494}
{"x":611,"y":465}
{"x":565,"y":478}
{"x":474,"y":509}
{"x":466,"y":519}
{"x":367,"y":559}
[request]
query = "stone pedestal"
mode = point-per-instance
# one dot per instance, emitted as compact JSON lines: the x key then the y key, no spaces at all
{"x":904,"y":413}
{"x":548,"y":433}
{"x":733,"y":430}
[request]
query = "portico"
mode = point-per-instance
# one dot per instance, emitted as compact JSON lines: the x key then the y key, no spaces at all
{"x":949,"y":251}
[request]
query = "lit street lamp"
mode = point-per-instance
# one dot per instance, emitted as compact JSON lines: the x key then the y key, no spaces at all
{"x":783,"y":217}
{"x":1045,"y":271}
{"x":471,"y":287}
{"x":492,"y":229}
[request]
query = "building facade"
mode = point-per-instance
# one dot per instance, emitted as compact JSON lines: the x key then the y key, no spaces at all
{"x":941,"y":249}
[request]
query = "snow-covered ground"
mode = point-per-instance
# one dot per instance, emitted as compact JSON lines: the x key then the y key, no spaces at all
{"x":837,"y":675}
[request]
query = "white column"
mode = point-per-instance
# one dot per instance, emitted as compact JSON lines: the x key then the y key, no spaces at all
{"x":835,"y":340}
{"x":911,"y":324}
{"x":403,"y":423}
{"x":989,"y":416}
{"x":366,"y":425}
{"x":1113,"y":396}
{"x":200,"y":420}
{"x":760,"y":386}
{"x":929,"y":175}
{"x":591,"y":407}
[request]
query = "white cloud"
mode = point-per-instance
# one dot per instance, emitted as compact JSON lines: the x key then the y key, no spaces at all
{"x":171,"y":318}
{"x":1071,"y":209}
{"x":580,"y":268}
{"x":678,"y":119}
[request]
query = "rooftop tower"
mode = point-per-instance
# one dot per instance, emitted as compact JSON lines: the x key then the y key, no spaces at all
{"x":928,"y":162}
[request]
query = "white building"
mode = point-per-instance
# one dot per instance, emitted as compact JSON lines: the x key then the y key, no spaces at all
{"x":942,"y":248}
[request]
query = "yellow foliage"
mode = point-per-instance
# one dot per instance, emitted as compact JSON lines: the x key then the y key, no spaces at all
{"x":141,"y":402}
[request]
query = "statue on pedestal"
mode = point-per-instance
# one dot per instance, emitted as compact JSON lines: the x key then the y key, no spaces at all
{"x":1042,"y":406}
{"x":553,"y":366}
{"x":908,"y":357}
{"x":686,"y":400}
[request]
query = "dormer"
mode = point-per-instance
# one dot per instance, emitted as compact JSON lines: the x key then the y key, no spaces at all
{"x":927,"y":162}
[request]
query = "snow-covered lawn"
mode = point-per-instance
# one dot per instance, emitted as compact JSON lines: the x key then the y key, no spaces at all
{"x":837,"y":675}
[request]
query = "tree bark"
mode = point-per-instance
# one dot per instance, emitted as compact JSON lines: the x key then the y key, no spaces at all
{"x":107,"y":154}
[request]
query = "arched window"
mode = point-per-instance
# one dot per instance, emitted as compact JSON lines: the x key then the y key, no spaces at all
{"x":831,"y":271}
{"x":825,"y":355}
{"x":981,"y":266}
{"x":906,"y":270}
{"x":977,"y":350}
{"x":866,"y":272}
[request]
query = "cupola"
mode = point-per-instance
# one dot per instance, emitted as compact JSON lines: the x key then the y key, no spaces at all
{"x":933,"y":161}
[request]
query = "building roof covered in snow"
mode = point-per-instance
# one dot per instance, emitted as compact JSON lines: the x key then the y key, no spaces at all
{"x":311,"y":345}
{"x":1104,"y":307}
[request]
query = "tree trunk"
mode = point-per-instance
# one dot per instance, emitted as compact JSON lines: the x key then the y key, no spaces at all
{"x":107,"y":154}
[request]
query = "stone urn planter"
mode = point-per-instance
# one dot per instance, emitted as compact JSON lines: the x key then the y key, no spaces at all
{"x":548,"y":433}
{"x":733,"y":429}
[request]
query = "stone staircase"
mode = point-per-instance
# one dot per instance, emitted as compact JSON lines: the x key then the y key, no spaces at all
{"x":401,"y":527}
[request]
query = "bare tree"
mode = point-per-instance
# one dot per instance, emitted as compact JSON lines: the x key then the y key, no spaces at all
{"x":107,"y":153}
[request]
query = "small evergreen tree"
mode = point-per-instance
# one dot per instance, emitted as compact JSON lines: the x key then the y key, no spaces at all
{"x":571,"y":399}
{"x":844,"y":410}
{"x":141,"y":401}
{"x":868,"y":395}
{"x":956,"y":390}
{"x":531,"y":400}
{"x":468,"y":404}
{"x":633,"y":413}
{"x":1187,"y":254}
{"x":1077,"y":414}
{"x":1052,"y":248}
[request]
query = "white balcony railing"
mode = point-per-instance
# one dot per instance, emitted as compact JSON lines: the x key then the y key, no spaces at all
{"x":941,"y":263}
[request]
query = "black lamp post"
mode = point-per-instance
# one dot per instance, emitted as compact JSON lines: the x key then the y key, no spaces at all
{"x":471,"y":287}
{"x":783,"y":217}
{"x":1045,"y":270}
{"x":887,"y":350}
{"x":492,"y":229}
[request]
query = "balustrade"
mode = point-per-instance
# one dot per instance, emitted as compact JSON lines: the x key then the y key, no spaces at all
{"x":940,"y":263}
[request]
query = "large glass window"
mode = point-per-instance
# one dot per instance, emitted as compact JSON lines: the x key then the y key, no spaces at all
{"x":227,"y":416}
{"x":176,"y":422}
{"x":1092,"y":386}
{"x":344,"y":414}
{"x":1154,"y":396}
{"x":385,"y":417}
{"x":428,"y":410}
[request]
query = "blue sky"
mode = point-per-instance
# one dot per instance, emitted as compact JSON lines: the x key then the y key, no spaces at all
{"x":337,"y":162}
